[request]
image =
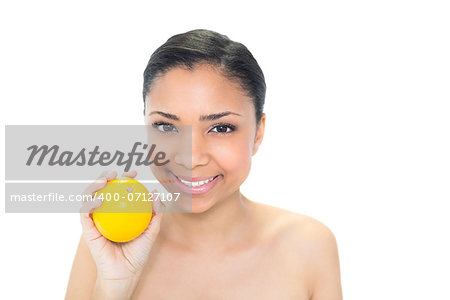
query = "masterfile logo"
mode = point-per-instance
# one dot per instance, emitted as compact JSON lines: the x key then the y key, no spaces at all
{"x":49,"y":166}
{"x":53,"y":156}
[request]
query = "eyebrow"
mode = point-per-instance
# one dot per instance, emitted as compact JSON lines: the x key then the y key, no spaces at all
{"x":167,"y":115}
{"x":209,"y":117}
{"x":212,"y":117}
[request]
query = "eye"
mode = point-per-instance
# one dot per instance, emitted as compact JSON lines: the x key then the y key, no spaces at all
{"x":164,"y":127}
{"x":223,"y":128}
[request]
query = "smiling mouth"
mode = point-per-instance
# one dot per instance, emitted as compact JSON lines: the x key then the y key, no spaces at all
{"x":196,"y":183}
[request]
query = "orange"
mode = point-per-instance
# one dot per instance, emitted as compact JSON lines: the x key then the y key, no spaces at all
{"x":125,"y":212}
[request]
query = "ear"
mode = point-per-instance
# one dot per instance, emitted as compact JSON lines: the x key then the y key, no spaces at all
{"x":259,"y":133}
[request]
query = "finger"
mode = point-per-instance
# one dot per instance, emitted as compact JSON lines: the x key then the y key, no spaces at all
{"x":89,"y":231}
{"x":158,"y":209}
{"x":130,"y":174}
{"x":97,"y":185}
{"x":100,"y":182}
{"x":103,"y":174}
{"x":111,"y":175}
{"x":89,"y":205}
{"x":108,"y":174}
{"x":152,"y":230}
{"x":87,"y":224}
{"x":158,"y":206}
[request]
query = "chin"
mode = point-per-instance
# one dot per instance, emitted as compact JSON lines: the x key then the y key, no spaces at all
{"x":201,"y":205}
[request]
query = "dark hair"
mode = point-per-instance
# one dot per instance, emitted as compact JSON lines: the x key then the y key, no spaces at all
{"x":189,"y":49}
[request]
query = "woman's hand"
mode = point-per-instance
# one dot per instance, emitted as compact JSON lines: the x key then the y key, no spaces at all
{"x":119,"y":265}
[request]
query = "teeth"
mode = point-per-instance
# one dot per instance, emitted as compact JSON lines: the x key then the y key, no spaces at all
{"x":196,"y":183}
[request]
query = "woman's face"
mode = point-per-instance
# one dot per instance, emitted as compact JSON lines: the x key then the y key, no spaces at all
{"x":224,"y":132}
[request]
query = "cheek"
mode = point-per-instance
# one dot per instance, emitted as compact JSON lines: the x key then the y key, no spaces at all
{"x":233,"y":156}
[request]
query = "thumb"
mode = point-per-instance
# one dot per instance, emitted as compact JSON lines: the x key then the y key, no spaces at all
{"x":158,"y":213}
{"x":89,"y":230}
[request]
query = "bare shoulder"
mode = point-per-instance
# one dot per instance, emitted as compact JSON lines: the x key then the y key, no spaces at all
{"x":299,"y":228}
{"x":311,"y":246}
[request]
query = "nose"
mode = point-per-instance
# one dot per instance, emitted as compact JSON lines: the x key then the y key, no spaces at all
{"x":193,"y":153}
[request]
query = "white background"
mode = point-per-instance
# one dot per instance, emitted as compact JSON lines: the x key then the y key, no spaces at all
{"x":357,"y":133}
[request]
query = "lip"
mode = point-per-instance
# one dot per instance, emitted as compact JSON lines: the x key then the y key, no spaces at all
{"x":195,"y":190}
{"x":193,"y":178}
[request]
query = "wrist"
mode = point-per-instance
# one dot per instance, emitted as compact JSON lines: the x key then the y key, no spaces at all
{"x":111,"y":289}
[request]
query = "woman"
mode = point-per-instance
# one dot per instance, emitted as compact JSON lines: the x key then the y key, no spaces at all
{"x":229,"y":247}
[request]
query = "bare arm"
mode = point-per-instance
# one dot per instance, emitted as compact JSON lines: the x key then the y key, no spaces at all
{"x":83,"y":275}
{"x":325,"y":265}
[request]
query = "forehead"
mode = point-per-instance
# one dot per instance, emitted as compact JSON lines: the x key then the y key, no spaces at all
{"x":198,"y":91}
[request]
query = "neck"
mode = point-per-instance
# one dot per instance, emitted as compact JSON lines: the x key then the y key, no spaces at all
{"x":221,"y":223}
